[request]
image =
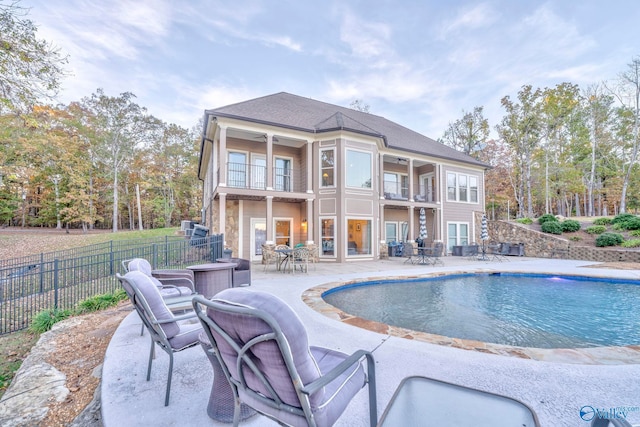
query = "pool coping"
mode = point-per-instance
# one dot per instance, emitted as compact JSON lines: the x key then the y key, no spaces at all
{"x":616,"y":355}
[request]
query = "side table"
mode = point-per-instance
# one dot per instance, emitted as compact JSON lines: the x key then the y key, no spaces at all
{"x":420,"y":400}
{"x":212,"y":278}
{"x":221,"y":400}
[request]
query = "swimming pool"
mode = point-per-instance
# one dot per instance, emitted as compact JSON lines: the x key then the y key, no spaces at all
{"x":527,"y":310}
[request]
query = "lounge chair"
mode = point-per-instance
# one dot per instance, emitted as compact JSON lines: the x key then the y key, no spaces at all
{"x":166,"y":330}
{"x":263,"y":349}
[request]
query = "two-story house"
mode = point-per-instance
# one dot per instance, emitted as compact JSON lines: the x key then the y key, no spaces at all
{"x":285,"y":169}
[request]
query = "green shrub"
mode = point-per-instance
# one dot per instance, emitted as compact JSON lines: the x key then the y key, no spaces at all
{"x":609,"y":239}
{"x":526,"y":221}
{"x":552,"y":227}
{"x":622,"y":218}
{"x":602,"y":221}
{"x":100,"y":302}
{"x":596,"y":229}
{"x":547,"y":218}
{"x":47,"y":318}
{"x":633,"y":243}
{"x":635,"y":233}
{"x":570,"y":225}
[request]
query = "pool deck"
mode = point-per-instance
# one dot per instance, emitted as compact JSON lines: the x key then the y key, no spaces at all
{"x":555,"y":386}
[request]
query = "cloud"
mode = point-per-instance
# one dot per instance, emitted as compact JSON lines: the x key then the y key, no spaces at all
{"x":479,"y":16}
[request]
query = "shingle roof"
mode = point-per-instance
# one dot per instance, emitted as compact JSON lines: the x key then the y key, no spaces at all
{"x":296,"y":112}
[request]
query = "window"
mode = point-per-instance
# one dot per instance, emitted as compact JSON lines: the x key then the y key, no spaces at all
{"x":283,"y":231}
{"x":396,"y":186}
{"x":283,"y":174}
{"x":473,"y":189}
{"x":458,"y":234}
{"x":359,"y":241}
{"x":327,"y":167}
{"x":327,"y":236}
{"x":396,"y":231}
{"x":391,"y":231}
{"x":462,"y":188}
{"x":237,"y":169}
{"x":358,"y":169}
{"x":451,"y":186}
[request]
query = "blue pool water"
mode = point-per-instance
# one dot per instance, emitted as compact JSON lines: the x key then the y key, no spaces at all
{"x":513,"y":309}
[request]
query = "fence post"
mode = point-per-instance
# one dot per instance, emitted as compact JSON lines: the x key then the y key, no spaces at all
{"x":41,"y":272}
{"x":55,"y":283}
{"x":154,"y":258}
{"x":111,"y":257}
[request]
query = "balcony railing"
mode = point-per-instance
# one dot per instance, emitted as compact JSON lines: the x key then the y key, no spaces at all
{"x":241,"y":175}
{"x":395,"y":191}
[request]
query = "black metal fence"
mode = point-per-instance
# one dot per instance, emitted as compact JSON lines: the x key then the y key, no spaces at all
{"x":61,"y":279}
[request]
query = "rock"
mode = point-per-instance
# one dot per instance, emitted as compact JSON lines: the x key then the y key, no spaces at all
{"x":35,"y":386}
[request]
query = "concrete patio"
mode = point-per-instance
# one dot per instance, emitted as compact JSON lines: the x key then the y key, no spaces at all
{"x":555,"y":391}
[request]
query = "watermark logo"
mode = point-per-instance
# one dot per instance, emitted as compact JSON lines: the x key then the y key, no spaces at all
{"x":588,"y":412}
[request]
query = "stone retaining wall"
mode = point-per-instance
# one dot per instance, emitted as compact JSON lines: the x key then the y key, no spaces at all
{"x":544,"y":245}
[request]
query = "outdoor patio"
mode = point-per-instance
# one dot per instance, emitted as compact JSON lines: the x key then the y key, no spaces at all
{"x":555,"y":391}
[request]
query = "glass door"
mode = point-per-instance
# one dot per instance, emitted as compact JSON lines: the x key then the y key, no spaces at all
{"x":283,"y":227}
{"x":258,"y":237}
{"x":258,"y":171}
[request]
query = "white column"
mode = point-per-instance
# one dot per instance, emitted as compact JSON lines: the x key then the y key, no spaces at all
{"x":411,"y":224}
{"x":223,"y":156}
{"x":310,"y":168}
{"x":309,"y":221}
{"x":270,"y":239}
{"x":269,"y":164}
{"x":222,"y":207}
{"x":411,"y":192}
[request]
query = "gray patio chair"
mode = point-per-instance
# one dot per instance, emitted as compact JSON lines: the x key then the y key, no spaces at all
{"x":263,"y":348}
{"x":166,"y":330}
{"x":241,"y":273}
{"x":175,"y":282}
{"x":436,"y":256}
{"x":174,"y":296}
{"x":409,"y":252}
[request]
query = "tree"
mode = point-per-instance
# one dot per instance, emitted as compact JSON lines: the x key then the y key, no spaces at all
{"x":468,"y":134}
{"x":628,"y":93}
{"x":30,"y":69}
{"x":597,"y":116}
{"x":120,"y":126}
{"x":359,"y":105}
{"x":520,"y":128}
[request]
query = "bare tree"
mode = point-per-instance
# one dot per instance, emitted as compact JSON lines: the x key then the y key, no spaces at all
{"x":627,"y":91}
{"x":468,"y":134}
{"x":30,"y":69}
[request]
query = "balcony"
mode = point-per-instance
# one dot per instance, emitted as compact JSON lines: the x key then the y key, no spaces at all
{"x":393,"y":190}
{"x":254,"y":177}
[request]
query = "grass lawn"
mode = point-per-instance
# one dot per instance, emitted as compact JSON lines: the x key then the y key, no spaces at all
{"x":18,"y":242}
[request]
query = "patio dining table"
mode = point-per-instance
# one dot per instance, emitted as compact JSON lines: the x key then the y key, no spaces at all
{"x":283,"y":261}
{"x":425,"y":255}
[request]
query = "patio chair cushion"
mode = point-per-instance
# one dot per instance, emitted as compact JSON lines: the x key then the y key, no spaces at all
{"x":266,"y":355}
{"x":155,"y":301}
{"x":189,"y":333}
{"x":140,"y":264}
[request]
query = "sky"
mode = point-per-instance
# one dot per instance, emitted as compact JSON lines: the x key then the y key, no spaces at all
{"x":420,"y":63}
